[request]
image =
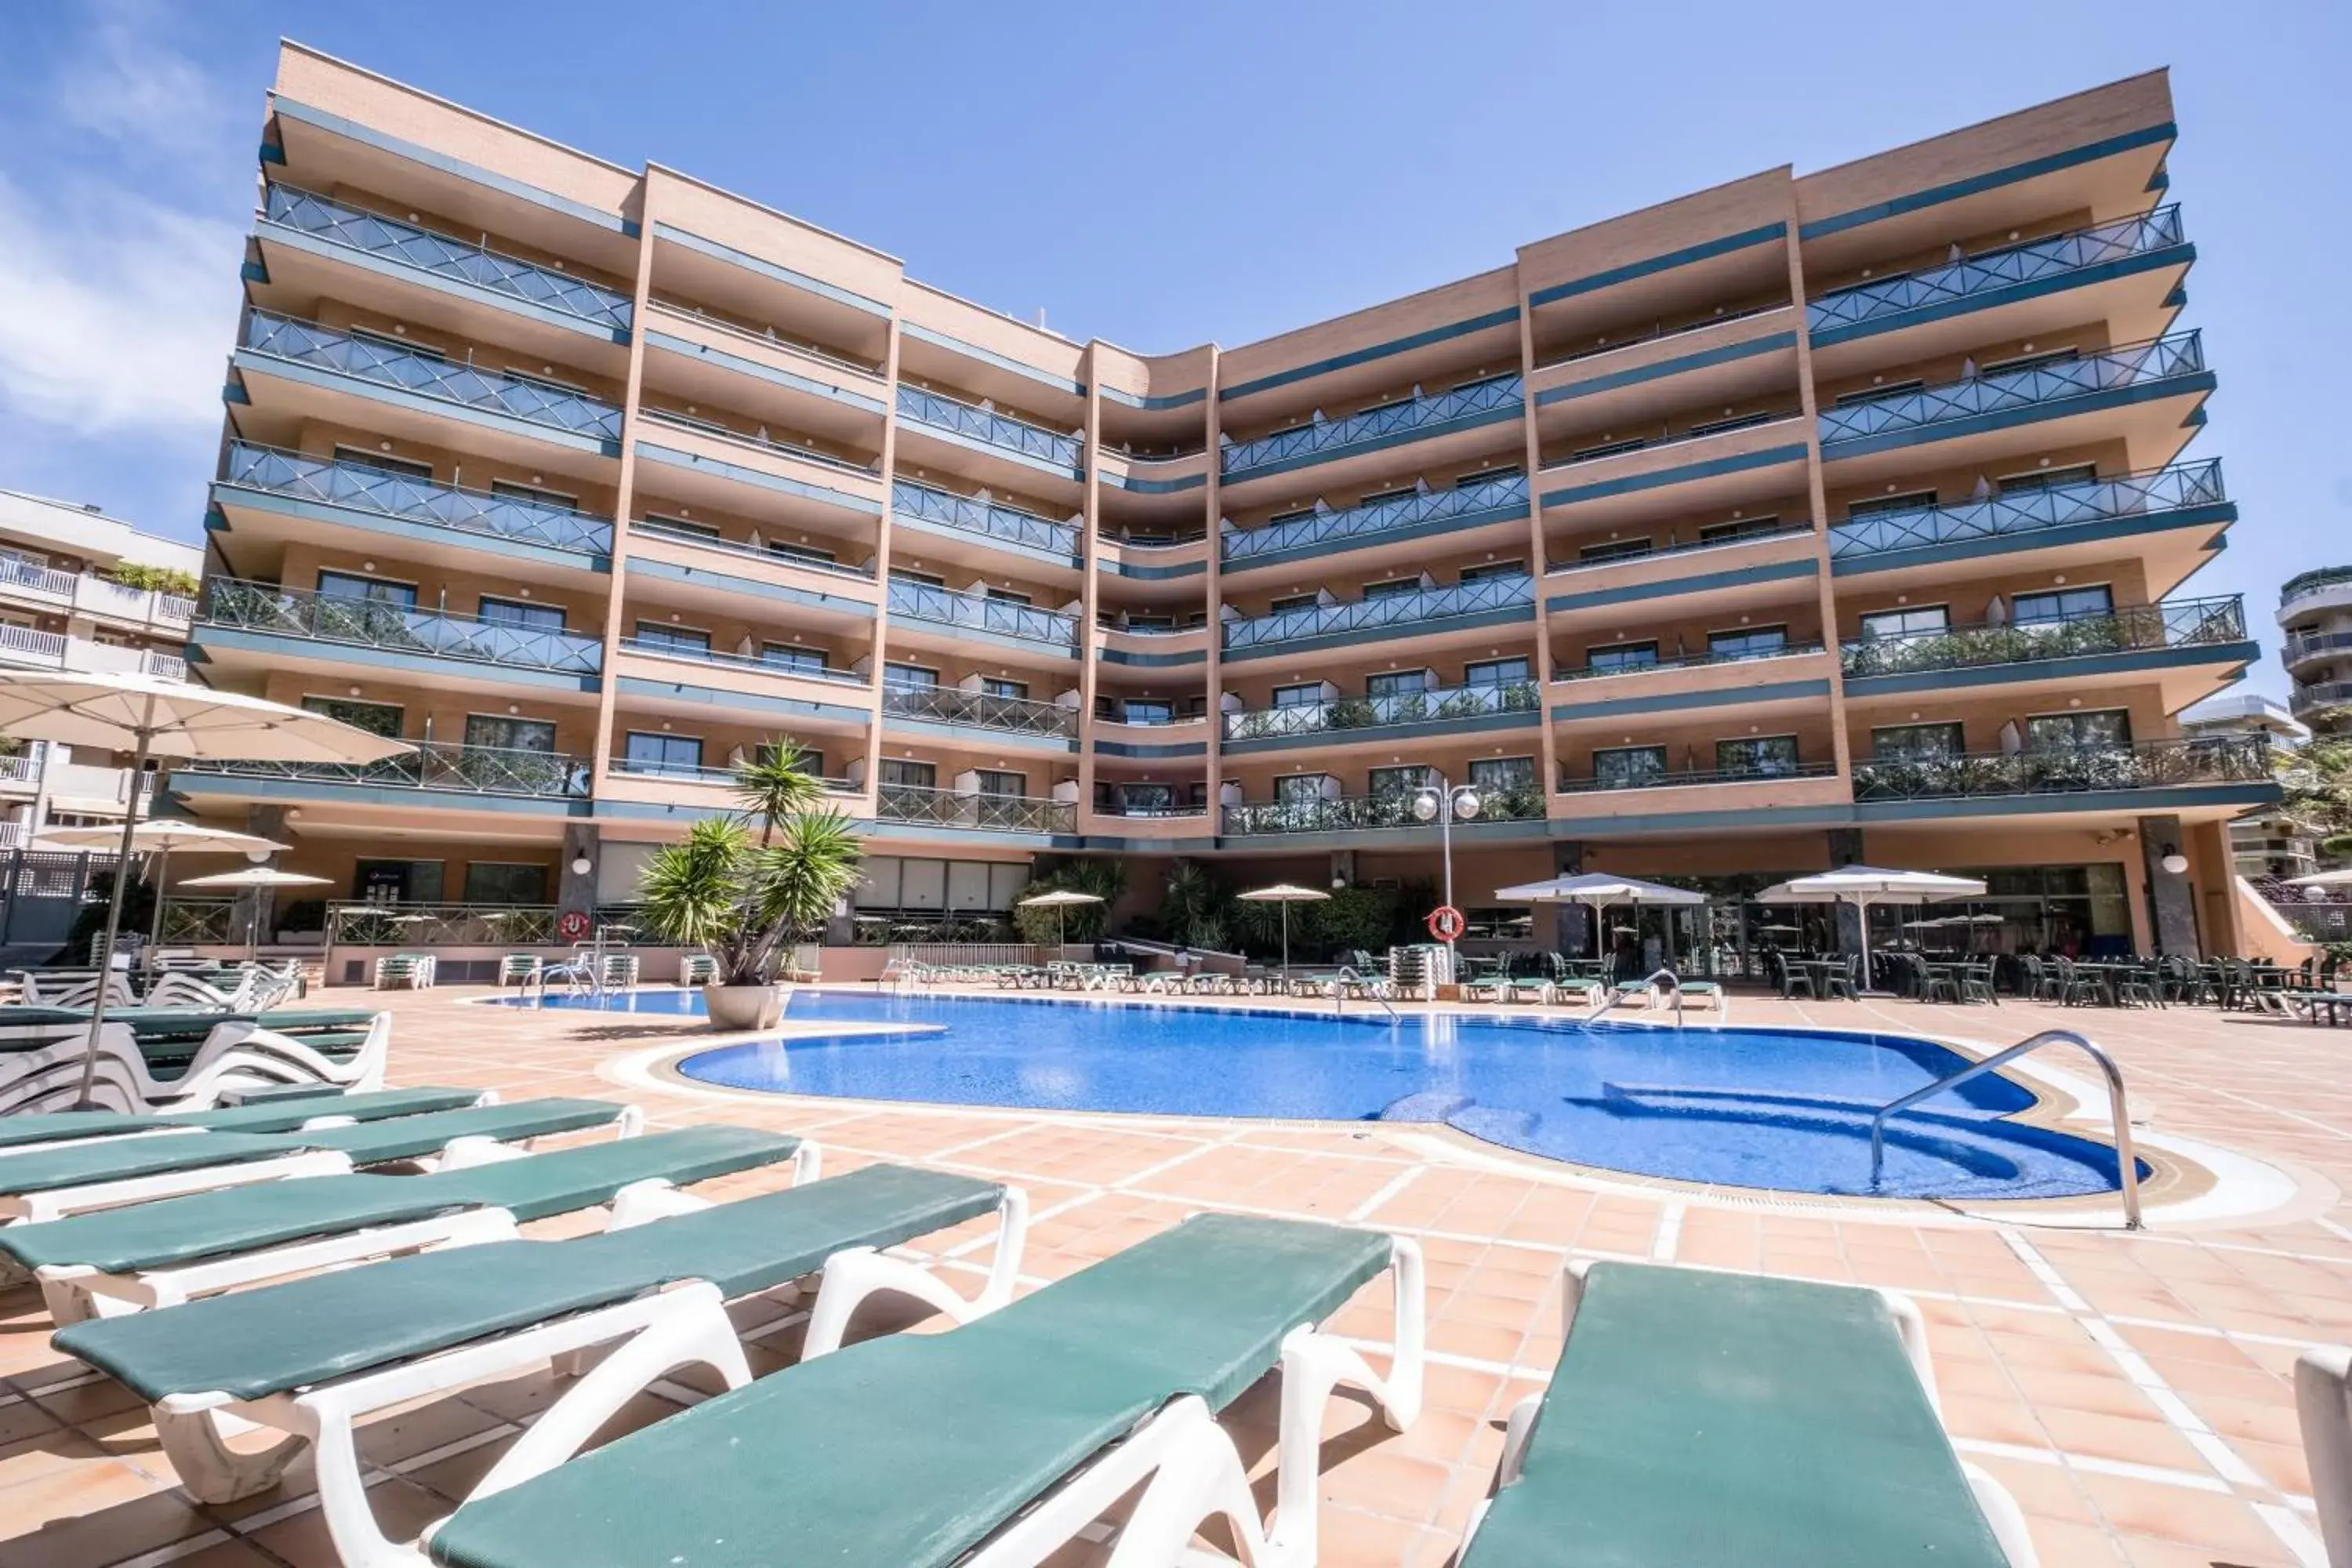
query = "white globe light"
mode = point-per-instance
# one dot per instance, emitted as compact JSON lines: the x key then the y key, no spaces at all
{"x":582,"y":866}
{"x":1466,"y":805}
{"x":1424,"y":805}
{"x":2176,"y":863}
{"x":259,"y":857}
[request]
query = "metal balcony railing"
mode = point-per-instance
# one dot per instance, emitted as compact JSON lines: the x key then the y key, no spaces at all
{"x":773,"y":554}
{"x":1668,"y":778}
{"x":768,"y":664}
{"x":1693,"y":547}
{"x":1347,"y":713}
{"x":1991,"y":271}
{"x":192,"y":922}
{"x":1658,"y":332}
{"x":2157,"y":492}
{"x":448,"y":257}
{"x":1419,"y":605}
{"x":2153,"y":764}
{"x":988,"y":427}
{"x":2319,"y":696}
{"x":988,"y":519}
{"x":1504,"y":496}
{"x":984,"y":813}
{"x":2304,"y":583}
{"x":441,"y":926}
{"x":1161,"y":538}
{"x":363,"y":489}
{"x":980,"y":710}
{"x":2301,"y":646}
{"x":1328,"y":437}
{"x":266,"y":608}
{"x":18,"y":572}
{"x":1685,"y":661}
{"x":1705,"y":429}
{"x":2177,"y":623}
{"x":436,"y":766}
{"x":923,"y":602}
{"x":758,"y":440}
{"x":2050,"y":383}
{"x":1393,"y":808}
{"x":430,"y":375}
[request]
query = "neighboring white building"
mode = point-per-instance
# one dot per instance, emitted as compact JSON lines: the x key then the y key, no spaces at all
{"x":2263,"y":843}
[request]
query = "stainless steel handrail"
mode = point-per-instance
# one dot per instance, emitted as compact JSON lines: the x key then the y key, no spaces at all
{"x":2126,"y":1162}
{"x":1349,"y":975}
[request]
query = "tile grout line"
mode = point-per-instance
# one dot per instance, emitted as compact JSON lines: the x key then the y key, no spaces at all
{"x":1669,"y":1236}
{"x":1396,"y":1184}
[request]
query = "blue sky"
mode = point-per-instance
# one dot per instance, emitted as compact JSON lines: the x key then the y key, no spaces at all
{"x":1046,"y":156}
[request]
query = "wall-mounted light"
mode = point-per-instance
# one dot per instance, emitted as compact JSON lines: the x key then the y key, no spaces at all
{"x":2174,"y":862}
{"x":582,"y":865}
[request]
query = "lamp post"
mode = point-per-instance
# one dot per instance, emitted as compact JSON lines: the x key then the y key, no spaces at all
{"x":1440,"y":803}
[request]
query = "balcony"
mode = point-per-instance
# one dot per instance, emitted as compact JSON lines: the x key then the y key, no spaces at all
{"x":980,"y":813}
{"x":778,"y":664}
{"x":2328,"y":587}
{"x":88,"y":593}
{"x":354,"y":487}
{"x":2152,"y":497}
{"x":985,"y":519}
{"x":436,"y":766}
{"x":2319,"y":698}
{"x":1464,"y":407}
{"x":2305,"y":648}
{"x":1696,"y":547}
{"x":1937,"y":290}
{"x":2156,"y":765}
{"x":1665,"y":778}
{"x":1431,"y":511}
{"x":429,"y":376}
{"x":1706,"y":429}
{"x":1422,"y":609}
{"x":406,"y":244}
{"x":1564,"y":674}
{"x":978,"y":710}
{"x":729,"y":778}
{"x":2130,"y":369}
{"x":23,"y":647}
{"x":768,"y":554}
{"x":266,"y":608}
{"x":977,"y":611}
{"x":2176,"y":624}
{"x":1347,"y":716}
{"x":1350,"y":814}
{"x":988,"y":428}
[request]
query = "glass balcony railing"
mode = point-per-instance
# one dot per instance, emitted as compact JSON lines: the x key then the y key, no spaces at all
{"x":266,"y":608}
{"x":430,"y":375}
{"x":988,"y":519}
{"x":768,"y":664}
{"x":1424,"y":605}
{"x":2308,"y":583}
{"x":1006,"y":618}
{"x":1392,"y":808}
{"x":773,"y":553}
{"x":758,"y":440}
{"x":988,"y":428}
{"x":978,"y":710}
{"x":359,"y":488}
{"x":2151,"y":494}
{"x":434,"y":765}
{"x":440,"y":254}
{"x":1343,"y":715}
{"x":1690,"y":547}
{"x":2156,"y":765}
{"x":1330,"y":438}
{"x":1993,"y":270}
{"x":2177,"y":623}
{"x":1685,"y":661}
{"x":1667,"y":778}
{"x":2048,"y":384}
{"x":2300,"y":646}
{"x":981,"y":813}
{"x":1504,"y":496}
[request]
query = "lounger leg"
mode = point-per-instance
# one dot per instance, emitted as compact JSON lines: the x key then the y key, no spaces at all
{"x":2323,"y":1402}
{"x":1200,"y":1477}
{"x":196,"y":1440}
{"x":2007,"y":1520}
{"x":858,"y":1274}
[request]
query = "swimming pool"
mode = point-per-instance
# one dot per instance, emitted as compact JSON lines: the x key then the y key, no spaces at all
{"x":1786,"y":1109}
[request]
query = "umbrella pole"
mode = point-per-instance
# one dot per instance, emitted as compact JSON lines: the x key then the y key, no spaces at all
{"x":114,"y":923}
{"x":1286,"y":940}
{"x":155,"y":931}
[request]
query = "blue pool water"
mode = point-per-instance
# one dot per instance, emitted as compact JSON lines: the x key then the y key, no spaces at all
{"x":1788,"y":1110}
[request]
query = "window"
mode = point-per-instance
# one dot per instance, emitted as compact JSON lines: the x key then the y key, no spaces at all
{"x":1298,"y":789}
{"x":1009,"y":597}
{"x":1494,"y":569}
{"x":1147,"y":710}
{"x":1736,"y":421}
{"x":422,"y":351}
{"x":536,"y":496}
{"x":810,"y":761}
{"x":1614,"y":550}
{"x":2078,"y":732}
{"x":375,"y":718}
{"x":805,"y":554}
{"x":1004,"y":786}
{"x":1382,"y":498}
{"x":680,"y":525}
{"x":1392,"y":588}
{"x":1278,"y":519}
{"x":1914,"y":501}
{"x":994,"y":686}
{"x":1292,"y":601}
{"x":515,"y":613}
{"x":548,"y":383}
{"x":499,"y":882}
{"x":1606,"y":450}
{"x":2045,"y":479}
{"x":1917,"y":742}
{"x":1622,"y":656}
{"x":1628,"y":767}
{"x":1506,"y":773}
{"x":1747,"y":642}
{"x":1150,"y":621}
{"x":793,"y":658}
{"x":1746,"y":528}
{"x":2062,"y":605}
{"x":926,"y":579}
{"x":678,"y":755}
{"x":1136,"y":799}
{"x":1498,"y":672}
{"x":1873,"y":393}
{"x":373,"y":590}
{"x":907,"y":775}
{"x":1923,"y":620}
{"x":382,"y":462}
{"x":909,"y":676}
{"x":1388,"y":783}
{"x":2024,"y":363}
{"x":1397,"y":683}
{"x":497,"y":730}
{"x":1489,"y":477}
{"x":660,"y":638}
{"x":1757,"y":756}
{"x":1304,"y":696}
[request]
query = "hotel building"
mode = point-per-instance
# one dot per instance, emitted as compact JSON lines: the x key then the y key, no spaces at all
{"x":2316,"y":612}
{"x":1808,"y":518}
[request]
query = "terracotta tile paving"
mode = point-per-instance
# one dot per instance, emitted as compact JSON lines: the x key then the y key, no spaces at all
{"x":2132,"y":1391}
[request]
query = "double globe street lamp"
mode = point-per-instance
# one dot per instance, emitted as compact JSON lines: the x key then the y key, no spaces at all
{"x":1440,"y":803}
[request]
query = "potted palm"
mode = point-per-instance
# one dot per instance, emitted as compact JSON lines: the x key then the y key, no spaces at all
{"x":747,"y":899}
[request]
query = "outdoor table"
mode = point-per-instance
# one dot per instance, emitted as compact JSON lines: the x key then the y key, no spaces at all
{"x":1820,"y":970}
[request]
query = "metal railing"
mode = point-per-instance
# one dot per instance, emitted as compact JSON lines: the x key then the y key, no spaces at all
{"x":2304,"y":583}
{"x":2158,"y":491}
{"x":988,"y":427}
{"x":759,"y":440}
{"x":1659,"y":333}
{"x":2319,"y":696}
{"x":1337,"y":813}
{"x":439,"y":765}
{"x":2056,"y":380}
{"x":1991,"y":271}
{"x":430,"y":375}
{"x":2154,"y":764}
{"x":1668,"y":778}
{"x":436,"y":253}
{"x":2300,"y":645}
{"x":980,"y":710}
{"x":683,"y":773}
{"x":360,"y":487}
{"x":1704,"y":430}
{"x":988,"y":519}
{"x":1170,"y":538}
{"x":1345,"y":713}
{"x":1693,"y":547}
{"x":440,"y":925}
{"x":1007,"y":617}
{"x":1325,"y":438}
{"x":1504,"y":496}
{"x":189,"y":922}
{"x":1682,"y":661}
{"x":232,"y":602}
{"x":1614,"y":992}
{"x":655,"y":648}
{"x":1383,"y":610}
{"x":984,"y":813}
{"x":2118,"y":1111}
{"x":771,"y":554}
{"x":2176,"y":623}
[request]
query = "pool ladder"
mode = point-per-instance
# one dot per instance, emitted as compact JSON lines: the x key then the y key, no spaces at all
{"x":1610,"y":997}
{"x":2126,"y":1162}
{"x":1348,"y":976}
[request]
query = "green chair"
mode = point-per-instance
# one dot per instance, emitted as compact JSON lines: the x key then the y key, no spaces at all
{"x":697,"y":969}
{"x":518,"y":969}
{"x":1697,"y":1417}
{"x":276,"y":1114}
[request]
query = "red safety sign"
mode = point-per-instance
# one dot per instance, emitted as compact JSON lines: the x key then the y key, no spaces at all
{"x":574,"y":925}
{"x":1445,"y":922}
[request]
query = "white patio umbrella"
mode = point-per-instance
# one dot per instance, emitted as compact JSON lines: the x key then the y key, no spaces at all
{"x":1862,"y":886}
{"x":158,"y":836}
{"x":1597,"y":892}
{"x":151,"y":718}
{"x":1060,"y":901}
{"x":2321,"y":880}
{"x":1285,"y":894}
{"x":251,"y":877}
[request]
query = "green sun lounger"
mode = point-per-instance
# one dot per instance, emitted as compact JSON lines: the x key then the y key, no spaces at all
{"x":1696,"y":1417}
{"x":163,"y":1253}
{"x":914,"y":1450}
{"x":277,"y":1113}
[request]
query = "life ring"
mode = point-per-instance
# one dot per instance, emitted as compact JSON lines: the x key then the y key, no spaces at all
{"x":574,"y":925}
{"x":1446,"y":923}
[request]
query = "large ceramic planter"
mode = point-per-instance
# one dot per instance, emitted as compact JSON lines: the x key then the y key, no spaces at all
{"x":744,"y":1006}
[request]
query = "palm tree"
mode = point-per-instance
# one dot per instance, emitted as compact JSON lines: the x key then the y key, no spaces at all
{"x":776,"y":784}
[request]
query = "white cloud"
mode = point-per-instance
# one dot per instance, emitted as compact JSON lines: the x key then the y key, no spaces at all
{"x":127,"y":87}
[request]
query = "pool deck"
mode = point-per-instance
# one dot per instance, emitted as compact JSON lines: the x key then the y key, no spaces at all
{"x":2132,"y":1390}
